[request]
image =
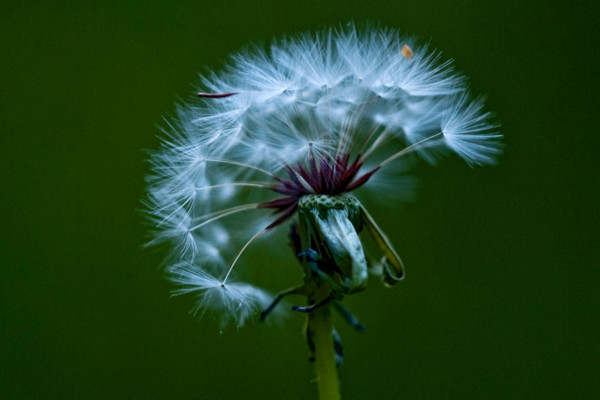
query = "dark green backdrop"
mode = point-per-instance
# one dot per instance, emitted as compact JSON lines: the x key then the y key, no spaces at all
{"x":501,"y":299}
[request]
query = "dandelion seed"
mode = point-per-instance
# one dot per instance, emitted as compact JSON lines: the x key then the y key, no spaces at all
{"x":285,"y":136}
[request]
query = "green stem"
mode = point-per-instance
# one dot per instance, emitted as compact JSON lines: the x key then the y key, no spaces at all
{"x":327,"y":376}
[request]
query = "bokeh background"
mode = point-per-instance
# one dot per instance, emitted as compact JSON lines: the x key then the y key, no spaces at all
{"x":501,"y":299}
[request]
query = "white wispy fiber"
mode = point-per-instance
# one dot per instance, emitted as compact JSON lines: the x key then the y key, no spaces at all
{"x":307,"y":102}
{"x":235,"y":301}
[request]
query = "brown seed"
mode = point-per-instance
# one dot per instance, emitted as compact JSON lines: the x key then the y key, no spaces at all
{"x":406,"y":52}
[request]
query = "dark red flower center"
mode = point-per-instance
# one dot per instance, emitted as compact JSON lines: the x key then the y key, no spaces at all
{"x":330,"y":176}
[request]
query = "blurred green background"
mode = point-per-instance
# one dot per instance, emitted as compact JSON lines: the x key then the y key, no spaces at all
{"x":501,"y":299}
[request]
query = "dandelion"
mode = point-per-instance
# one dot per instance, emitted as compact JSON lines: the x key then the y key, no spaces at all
{"x":280,"y":143}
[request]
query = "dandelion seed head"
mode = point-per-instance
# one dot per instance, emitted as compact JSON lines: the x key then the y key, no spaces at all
{"x":315,"y":114}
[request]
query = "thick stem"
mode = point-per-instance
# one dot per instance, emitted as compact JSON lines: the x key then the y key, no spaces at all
{"x":325,"y":365}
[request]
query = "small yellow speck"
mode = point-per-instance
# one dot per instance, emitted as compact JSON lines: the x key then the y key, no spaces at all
{"x":406,"y":52}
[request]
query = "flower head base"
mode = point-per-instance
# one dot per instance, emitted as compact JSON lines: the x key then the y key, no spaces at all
{"x":283,"y":131}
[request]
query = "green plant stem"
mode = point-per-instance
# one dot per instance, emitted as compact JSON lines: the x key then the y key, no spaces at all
{"x":327,"y":376}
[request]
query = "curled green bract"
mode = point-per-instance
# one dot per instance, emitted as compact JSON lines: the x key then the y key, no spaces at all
{"x":330,"y":226}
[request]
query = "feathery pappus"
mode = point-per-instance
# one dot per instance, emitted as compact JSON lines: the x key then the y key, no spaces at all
{"x":284,"y":137}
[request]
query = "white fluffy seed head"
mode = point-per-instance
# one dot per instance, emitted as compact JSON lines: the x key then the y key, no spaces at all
{"x":342,"y":91}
